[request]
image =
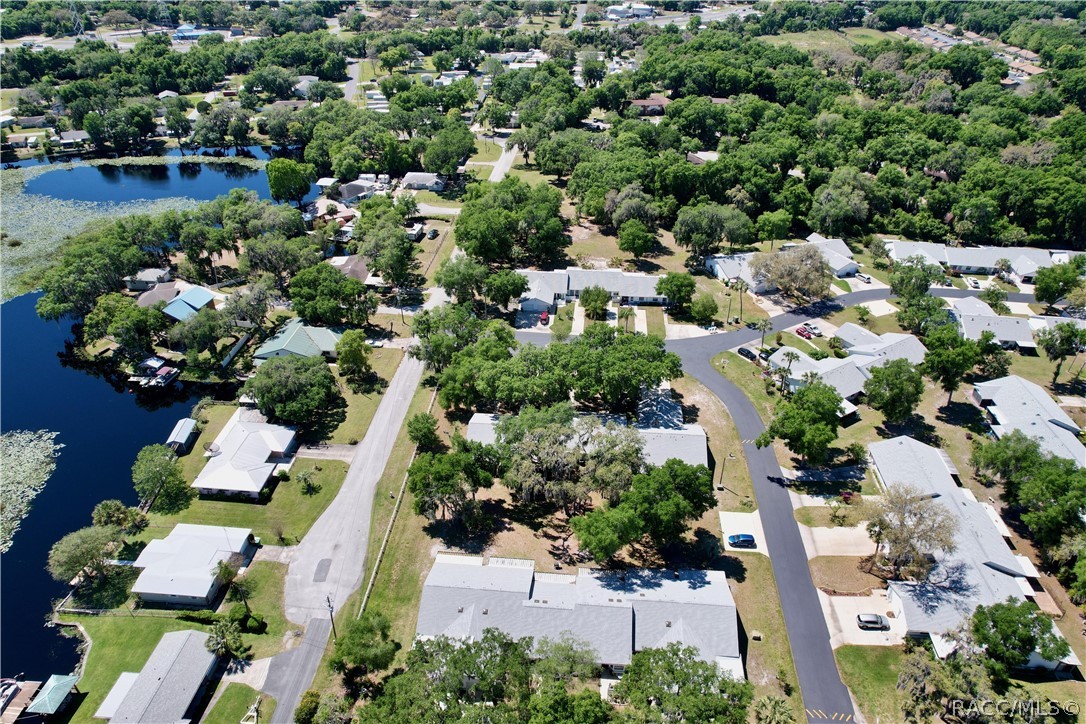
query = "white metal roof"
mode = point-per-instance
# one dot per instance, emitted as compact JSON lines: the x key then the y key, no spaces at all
{"x":183,"y":563}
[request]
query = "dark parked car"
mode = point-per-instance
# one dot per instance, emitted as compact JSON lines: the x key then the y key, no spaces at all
{"x":748,"y":353}
{"x":872,"y":622}
{"x":742,"y":540}
{"x":432,"y":234}
{"x":765,"y":354}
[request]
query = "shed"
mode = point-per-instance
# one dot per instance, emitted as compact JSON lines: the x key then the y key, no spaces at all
{"x":184,"y":432}
{"x":53,"y":694}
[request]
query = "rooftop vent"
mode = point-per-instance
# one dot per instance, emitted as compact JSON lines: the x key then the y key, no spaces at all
{"x":486,"y":611}
{"x":668,"y":624}
{"x":460,"y":609}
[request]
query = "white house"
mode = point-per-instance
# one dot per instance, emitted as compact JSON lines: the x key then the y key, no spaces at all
{"x":836,"y":253}
{"x":244,"y":456}
{"x":974,"y":317}
{"x":735,"y":267}
{"x":145,"y":279}
{"x":1014,"y":403}
{"x":180,"y":569}
{"x":981,"y":570}
{"x":547,"y":287}
{"x":420,"y":180}
{"x":868,"y":349}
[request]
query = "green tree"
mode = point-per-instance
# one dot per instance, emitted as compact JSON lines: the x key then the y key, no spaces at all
{"x":674,"y":684}
{"x":807,"y":423}
{"x":996,"y":298}
{"x":1059,"y":342}
{"x":1051,"y":284}
{"x":462,"y":278}
{"x":606,"y":531}
{"x":290,"y":180}
{"x":353,"y":354}
{"x":704,"y":309}
{"x":323,"y":295}
{"x":224,"y":639}
{"x":863,"y":314}
{"x":201,"y":332}
{"x":594,"y":301}
{"x":1010,"y":632}
{"x":1053,"y":495}
{"x":366,"y":645}
{"x":667,"y":498}
{"x":504,"y":285}
{"x":922,"y":314}
{"x":132,"y":327}
{"x":442,"y":333}
{"x":913,"y":277}
{"x":773,"y":225}
{"x":1007,"y":461}
{"x":636,"y":238}
{"x":993,"y":361}
{"x":159,"y":482}
{"x":294,"y":389}
{"x":115,"y":514}
{"x":422,"y":429}
{"x":949,"y":357}
{"x":702,"y":228}
{"x":800,"y":272}
{"x":81,"y":550}
{"x":678,"y":288}
{"x":242,"y":590}
{"x":307,"y":707}
{"x":443,"y":484}
{"x":895,"y":389}
{"x":448,"y":148}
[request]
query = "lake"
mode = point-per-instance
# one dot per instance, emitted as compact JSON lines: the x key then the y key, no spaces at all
{"x":102,"y":430}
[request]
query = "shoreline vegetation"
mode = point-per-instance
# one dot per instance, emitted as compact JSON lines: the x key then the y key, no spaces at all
{"x":27,"y":461}
{"x":35,"y":226}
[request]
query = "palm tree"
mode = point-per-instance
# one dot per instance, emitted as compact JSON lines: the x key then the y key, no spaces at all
{"x":625,"y":314}
{"x":773,"y":710}
{"x":763,"y":325}
{"x":224,"y":639}
{"x":241,"y":590}
{"x":741,"y":287}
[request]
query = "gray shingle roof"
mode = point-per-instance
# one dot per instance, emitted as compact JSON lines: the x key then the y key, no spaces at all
{"x":615,"y":614}
{"x":981,"y":570}
{"x":169,"y":680}
{"x":1007,"y":330}
{"x":1018,"y":404}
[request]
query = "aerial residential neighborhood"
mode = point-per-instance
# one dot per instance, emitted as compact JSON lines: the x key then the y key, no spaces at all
{"x":543,"y":361}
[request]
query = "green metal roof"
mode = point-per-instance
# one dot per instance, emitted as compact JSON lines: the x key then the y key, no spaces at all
{"x":52,"y":694}
{"x":300,"y":339}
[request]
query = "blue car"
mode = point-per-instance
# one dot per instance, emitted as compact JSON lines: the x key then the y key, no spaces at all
{"x":742,"y":540}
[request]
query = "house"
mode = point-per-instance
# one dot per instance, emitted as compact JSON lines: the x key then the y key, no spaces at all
{"x":1023,"y":261}
{"x":546,"y":288}
{"x":1010,"y":332}
{"x":189,"y":302}
{"x":1014,"y":403}
{"x":146,"y":279}
{"x":844,"y":375}
{"x":352,"y":265}
{"x":629,"y":10}
{"x":36,"y":121}
{"x":70,"y":139}
{"x":182,"y":435}
{"x":420,"y":180}
{"x":700,"y":158}
{"x":836,"y":253}
{"x":357,"y":189}
{"x":19,"y":140}
{"x":53,"y":695}
{"x":244,"y":456}
{"x":165,"y":689}
{"x":300,"y":340}
{"x":301,"y":88}
{"x":163,"y":95}
{"x":180,"y":569}
{"x":736,"y":267}
{"x":465,"y":595}
{"x":654,"y":105}
{"x":162,"y":292}
{"x":188,"y":32}
{"x":7,"y":121}
{"x":868,"y":349}
{"x":981,"y":570}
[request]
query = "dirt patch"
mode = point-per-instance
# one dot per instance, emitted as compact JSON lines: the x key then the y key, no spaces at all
{"x":844,"y":575}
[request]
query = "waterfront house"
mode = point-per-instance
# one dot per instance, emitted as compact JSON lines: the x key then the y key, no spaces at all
{"x":167,"y":686}
{"x":146,"y":279}
{"x":616,"y":613}
{"x":299,"y":339}
{"x":245,"y":455}
{"x":189,"y":302}
{"x":180,"y":569}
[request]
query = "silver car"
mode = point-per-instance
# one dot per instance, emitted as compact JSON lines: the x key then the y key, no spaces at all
{"x":872,"y":622}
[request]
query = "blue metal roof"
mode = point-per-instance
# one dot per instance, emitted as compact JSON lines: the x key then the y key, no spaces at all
{"x":52,"y":694}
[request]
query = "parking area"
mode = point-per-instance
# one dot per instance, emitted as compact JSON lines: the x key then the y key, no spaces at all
{"x":841,"y":613}
{"x":839,"y":541}
{"x":732,"y":523}
{"x":530,"y":322}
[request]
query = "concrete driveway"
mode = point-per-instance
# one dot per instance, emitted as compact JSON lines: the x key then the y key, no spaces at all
{"x":503,"y":164}
{"x":840,"y":541}
{"x":841,"y":613}
{"x":732,"y":523}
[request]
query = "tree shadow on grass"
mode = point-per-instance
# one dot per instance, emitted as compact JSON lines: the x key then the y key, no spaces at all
{"x":455,"y":533}
{"x":916,"y":426}
{"x":326,"y":422}
{"x":964,"y":415}
{"x":107,"y":591}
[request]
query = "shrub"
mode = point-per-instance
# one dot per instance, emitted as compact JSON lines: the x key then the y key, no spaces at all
{"x":256,"y":624}
{"x":203,"y":616}
{"x":238,"y":614}
{"x":307,"y":707}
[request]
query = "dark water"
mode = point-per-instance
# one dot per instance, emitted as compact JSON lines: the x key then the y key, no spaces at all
{"x":102,"y":430}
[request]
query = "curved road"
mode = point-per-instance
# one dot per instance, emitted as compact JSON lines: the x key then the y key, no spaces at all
{"x":825,"y":697}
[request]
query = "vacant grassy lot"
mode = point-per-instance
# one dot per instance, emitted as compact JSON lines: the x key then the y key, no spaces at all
{"x":870,"y":673}
{"x":726,"y":449}
{"x":424,"y":196}
{"x":234,"y":704}
{"x":486,"y":151}
{"x":845,"y":575}
{"x":433,"y":252}
{"x":268,"y":579}
{"x":360,"y":406}
{"x":829,"y":40}
{"x":878,"y":325}
{"x":290,"y":511}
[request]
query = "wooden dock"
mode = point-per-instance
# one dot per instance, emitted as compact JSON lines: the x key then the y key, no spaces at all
{"x":18,"y":704}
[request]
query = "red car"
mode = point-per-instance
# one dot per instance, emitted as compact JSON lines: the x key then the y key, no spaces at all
{"x":544,"y":318}
{"x":804,"y":332}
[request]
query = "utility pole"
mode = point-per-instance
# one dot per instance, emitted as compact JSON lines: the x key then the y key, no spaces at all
{"x":331,"y":610}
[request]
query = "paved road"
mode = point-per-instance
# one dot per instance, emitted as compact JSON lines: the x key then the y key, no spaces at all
{"x":328,"y":561}
{"x":504,"y":163}
{"x":578,"y":23}
{"x":351,"y":89}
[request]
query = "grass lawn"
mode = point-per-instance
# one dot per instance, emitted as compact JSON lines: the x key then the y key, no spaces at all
{"x":842,"y":285}
{"x":790,"y":339}
{"x":728,"y":464}
{"x":212,"y":419}
{"x":758,"y":603}
{"x":433,"y":252}
{"x":843,"y":575}
{"x":871,"y":672}
{"x":121,"y":643}
{"x":234,"y":704}
{"x":362,"y":405}
{"x":819,"y":516}
{"x":530,"y":174}
{"x":727,"y":300}
{"x":878,"y":325}
{"x":562,"y":321}
{"x":268,"y":579}
{"x":289,"y":509}
{"x":391,"y":325}
{"x":425,"y":196}
{"x":828,"y":40}
{"x":654,"y":318}
{"x":486,"y":151}
{"x":590,"y":243}
{"x":747,"y":376}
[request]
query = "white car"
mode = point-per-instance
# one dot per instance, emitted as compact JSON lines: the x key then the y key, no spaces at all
{"x":812,"y":328}
{"x":973,"y":283}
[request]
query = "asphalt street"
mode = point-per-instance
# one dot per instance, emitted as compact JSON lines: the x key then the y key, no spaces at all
{"x":292,"y":672}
